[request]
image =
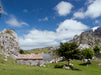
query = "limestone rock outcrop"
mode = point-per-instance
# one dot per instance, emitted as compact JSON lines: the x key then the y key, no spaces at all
{"x":88,"y":39}
{"x":9,"y":43}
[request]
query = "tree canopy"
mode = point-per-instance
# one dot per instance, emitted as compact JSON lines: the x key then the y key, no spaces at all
{"x":21,"y":51}
{"x":68,"y":51}
{"x":87,"y":53}
{"x":96,"y":49}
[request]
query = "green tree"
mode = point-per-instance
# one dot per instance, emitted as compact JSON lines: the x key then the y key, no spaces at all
{"x":87,"y":54}
{"x":96,"y":49}
{"x":21,"y":51}
{"x":68,"y":51}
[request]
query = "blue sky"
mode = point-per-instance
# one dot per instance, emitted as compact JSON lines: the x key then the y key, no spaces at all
{"x":41,"y":23}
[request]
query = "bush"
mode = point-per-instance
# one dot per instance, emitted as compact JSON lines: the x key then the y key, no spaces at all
{"x":87,"y":53}
{"x":96,"y":49}
{"x":21,"y":52}
{"x":58,"y":65}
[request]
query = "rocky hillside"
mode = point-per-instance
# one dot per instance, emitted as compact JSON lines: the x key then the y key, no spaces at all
{"x":9,"y":43}
{"x":88,"y":39}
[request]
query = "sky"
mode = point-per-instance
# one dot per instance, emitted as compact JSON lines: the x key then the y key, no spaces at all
{"x":42,"y":23}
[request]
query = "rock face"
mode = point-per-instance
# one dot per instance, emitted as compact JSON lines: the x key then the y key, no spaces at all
{"x":88,"y":39}
{"x":9,"y":43}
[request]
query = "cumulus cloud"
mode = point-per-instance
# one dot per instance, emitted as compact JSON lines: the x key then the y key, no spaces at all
{"x":79,"y":15}
{"x":14,"y":22}
{"x":37,"y":38}
{"x":63,"y":8}
{"x":44,"y":19}
{"x":93,"y":10}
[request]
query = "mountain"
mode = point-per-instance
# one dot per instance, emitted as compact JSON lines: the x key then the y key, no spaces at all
{"x":88,"y":39}
{"x":9,"y":43}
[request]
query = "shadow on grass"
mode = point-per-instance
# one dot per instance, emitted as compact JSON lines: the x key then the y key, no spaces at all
{"x":68,"y":67}
{"x":75,"y":69}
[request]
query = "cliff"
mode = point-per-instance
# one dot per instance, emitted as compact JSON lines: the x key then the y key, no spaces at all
{"x":9,"y":43}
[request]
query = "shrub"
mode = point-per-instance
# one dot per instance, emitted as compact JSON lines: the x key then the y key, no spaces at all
{"x":96,"y":49}
{"x":21,"y":52}
{"x":59,"y":65}
{"x":87,"y":54}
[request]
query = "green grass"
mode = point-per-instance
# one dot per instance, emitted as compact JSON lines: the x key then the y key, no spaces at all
{"x":45,"y":50}
{"x":12,"y":68}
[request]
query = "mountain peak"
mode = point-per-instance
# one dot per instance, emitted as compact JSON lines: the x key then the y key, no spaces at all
{"x":88,"y":38}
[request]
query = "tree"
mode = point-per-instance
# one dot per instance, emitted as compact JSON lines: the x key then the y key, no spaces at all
{"x":87,"y":54}
{"x":96,"y":49}
{"x":21,"y":51}
{"x":68,"y":51}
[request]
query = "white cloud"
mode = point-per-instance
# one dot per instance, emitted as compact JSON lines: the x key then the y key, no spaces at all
{"x":14,"y":22}
{"x":63,"y":41}
{"x":44,"y":19}
{"x":79,"y":15}
{"x":96,"y":22}
{"x":3,"y":11}
{"x":25,"y":10}
{"x":93,"y":10}
{"x":63,"y":8}
{"x":37,"y":38}
{"x":69,"y":28}
{"x":39,"y":20}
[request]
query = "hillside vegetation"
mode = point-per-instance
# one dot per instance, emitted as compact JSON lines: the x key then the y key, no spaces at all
{"x":38,"y":50}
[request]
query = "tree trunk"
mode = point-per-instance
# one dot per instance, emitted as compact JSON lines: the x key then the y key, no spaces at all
{"x":89,"y":62}
{"x":68,"y":62}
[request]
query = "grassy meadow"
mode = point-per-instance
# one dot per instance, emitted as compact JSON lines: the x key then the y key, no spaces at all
{"x":12,"y":68}
{"x":44,"y":50}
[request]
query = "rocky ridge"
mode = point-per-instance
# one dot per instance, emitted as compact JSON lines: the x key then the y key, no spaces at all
{"x":88,"y":39}
{"x":9,"y":43}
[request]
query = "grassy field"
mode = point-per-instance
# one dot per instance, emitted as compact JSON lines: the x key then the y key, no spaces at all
{"x":36,"y":51}
{"x":12,"y":68}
